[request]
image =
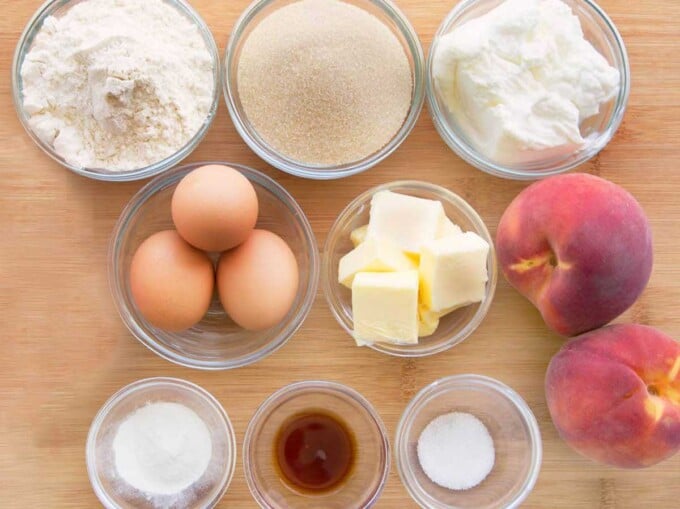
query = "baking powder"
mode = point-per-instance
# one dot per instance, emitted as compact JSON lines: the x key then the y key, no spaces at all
{"x":162,"y":448}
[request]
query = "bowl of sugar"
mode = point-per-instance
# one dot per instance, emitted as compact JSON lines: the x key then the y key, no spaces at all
{"x":324,"y":89}
{"x":161,"y":442}
{"x":468,"y":441}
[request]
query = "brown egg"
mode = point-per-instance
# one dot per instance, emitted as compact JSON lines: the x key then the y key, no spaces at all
{"x":214,"y":208}
{"x":171,"y":281}
{"x":257,"y":281}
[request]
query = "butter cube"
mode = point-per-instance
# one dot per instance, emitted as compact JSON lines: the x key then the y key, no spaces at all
{"x":375,"y":255}
{"x":385,"y":307}
{"x":453,"y":272}
{"x":428,"y":321}
{"x":358,"y":235}
{"x":448,"y":228}
{"x":407,"y":221}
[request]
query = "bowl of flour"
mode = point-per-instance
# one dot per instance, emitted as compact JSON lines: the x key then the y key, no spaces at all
{"x":161,"y":443}
{"x":116,"y":90}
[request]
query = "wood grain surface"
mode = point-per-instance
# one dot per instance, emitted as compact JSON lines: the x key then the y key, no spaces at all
{"x":64,"y":350}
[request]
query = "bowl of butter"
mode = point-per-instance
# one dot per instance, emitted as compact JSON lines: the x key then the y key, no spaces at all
{"x":524,"y":89}
{"x":409,"y":269}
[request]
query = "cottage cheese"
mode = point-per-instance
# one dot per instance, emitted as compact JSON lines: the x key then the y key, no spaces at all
{"x":522,"y":78}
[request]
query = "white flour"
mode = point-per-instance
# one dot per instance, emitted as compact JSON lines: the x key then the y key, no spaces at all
{"x":118,"y":84}
{"x":162,"y":448}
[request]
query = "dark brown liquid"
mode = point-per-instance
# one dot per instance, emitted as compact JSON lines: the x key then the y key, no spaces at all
{"x":314,"y":451}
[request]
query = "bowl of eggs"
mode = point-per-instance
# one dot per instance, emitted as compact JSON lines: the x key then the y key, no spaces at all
{"x":213,"y":266}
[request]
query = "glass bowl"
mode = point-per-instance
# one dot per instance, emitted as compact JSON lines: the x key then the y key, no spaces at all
{"x":372,"y":451}
{"x":393,"y":18}
{"x":216,"y":342}
{"x":58,"y":8}
{"x":454,"y":327}
{"x":113,"y":492}
{"x":597,"y":131}
{"x":512,"y":425}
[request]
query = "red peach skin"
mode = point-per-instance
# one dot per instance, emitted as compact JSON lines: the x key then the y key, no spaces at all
{"x":578,"y":247}
{"x":614,"y":395}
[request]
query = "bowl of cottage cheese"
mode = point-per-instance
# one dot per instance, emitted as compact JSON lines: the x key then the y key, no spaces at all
{"x":116,"y":90}
{"x":525,"y":89}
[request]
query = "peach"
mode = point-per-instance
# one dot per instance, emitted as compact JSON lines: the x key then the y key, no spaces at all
{"x":578,"y":247}
{"x":614,"y":395}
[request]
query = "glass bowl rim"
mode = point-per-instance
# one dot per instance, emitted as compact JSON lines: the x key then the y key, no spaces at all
{"x":475,"y":158}
{"x":116,"y":286}
{"x":290,"y":391}
{"x":32,"y":29}
{"x":156,"y":382}
{"x":470,"y":213}
{"x":324,"y":172}
{"x":449,"y":384}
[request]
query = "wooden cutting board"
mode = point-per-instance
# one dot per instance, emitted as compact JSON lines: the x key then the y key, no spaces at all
{"x":64,"y":351}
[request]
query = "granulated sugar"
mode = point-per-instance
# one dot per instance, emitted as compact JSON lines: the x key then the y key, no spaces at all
{"x":324,"y":82}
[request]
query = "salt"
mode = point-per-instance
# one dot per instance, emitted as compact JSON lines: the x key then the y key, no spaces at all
{"x":456,"y":451}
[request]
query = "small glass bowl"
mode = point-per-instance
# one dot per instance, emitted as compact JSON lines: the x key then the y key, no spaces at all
{"x":59,"y":8}
{"x":598,"y":131}
{"x":454,"y":327}
{"x":115,"y":493}
{"x":393,"y":18}
{"x":372,"y":450}
{"x":215,"y":343}
{"x":512,"y":425}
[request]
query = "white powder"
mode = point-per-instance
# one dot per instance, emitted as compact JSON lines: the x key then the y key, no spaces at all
{"x":162,"y":448}
{"x":456,"y":451}
{"x":118,"y":84}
